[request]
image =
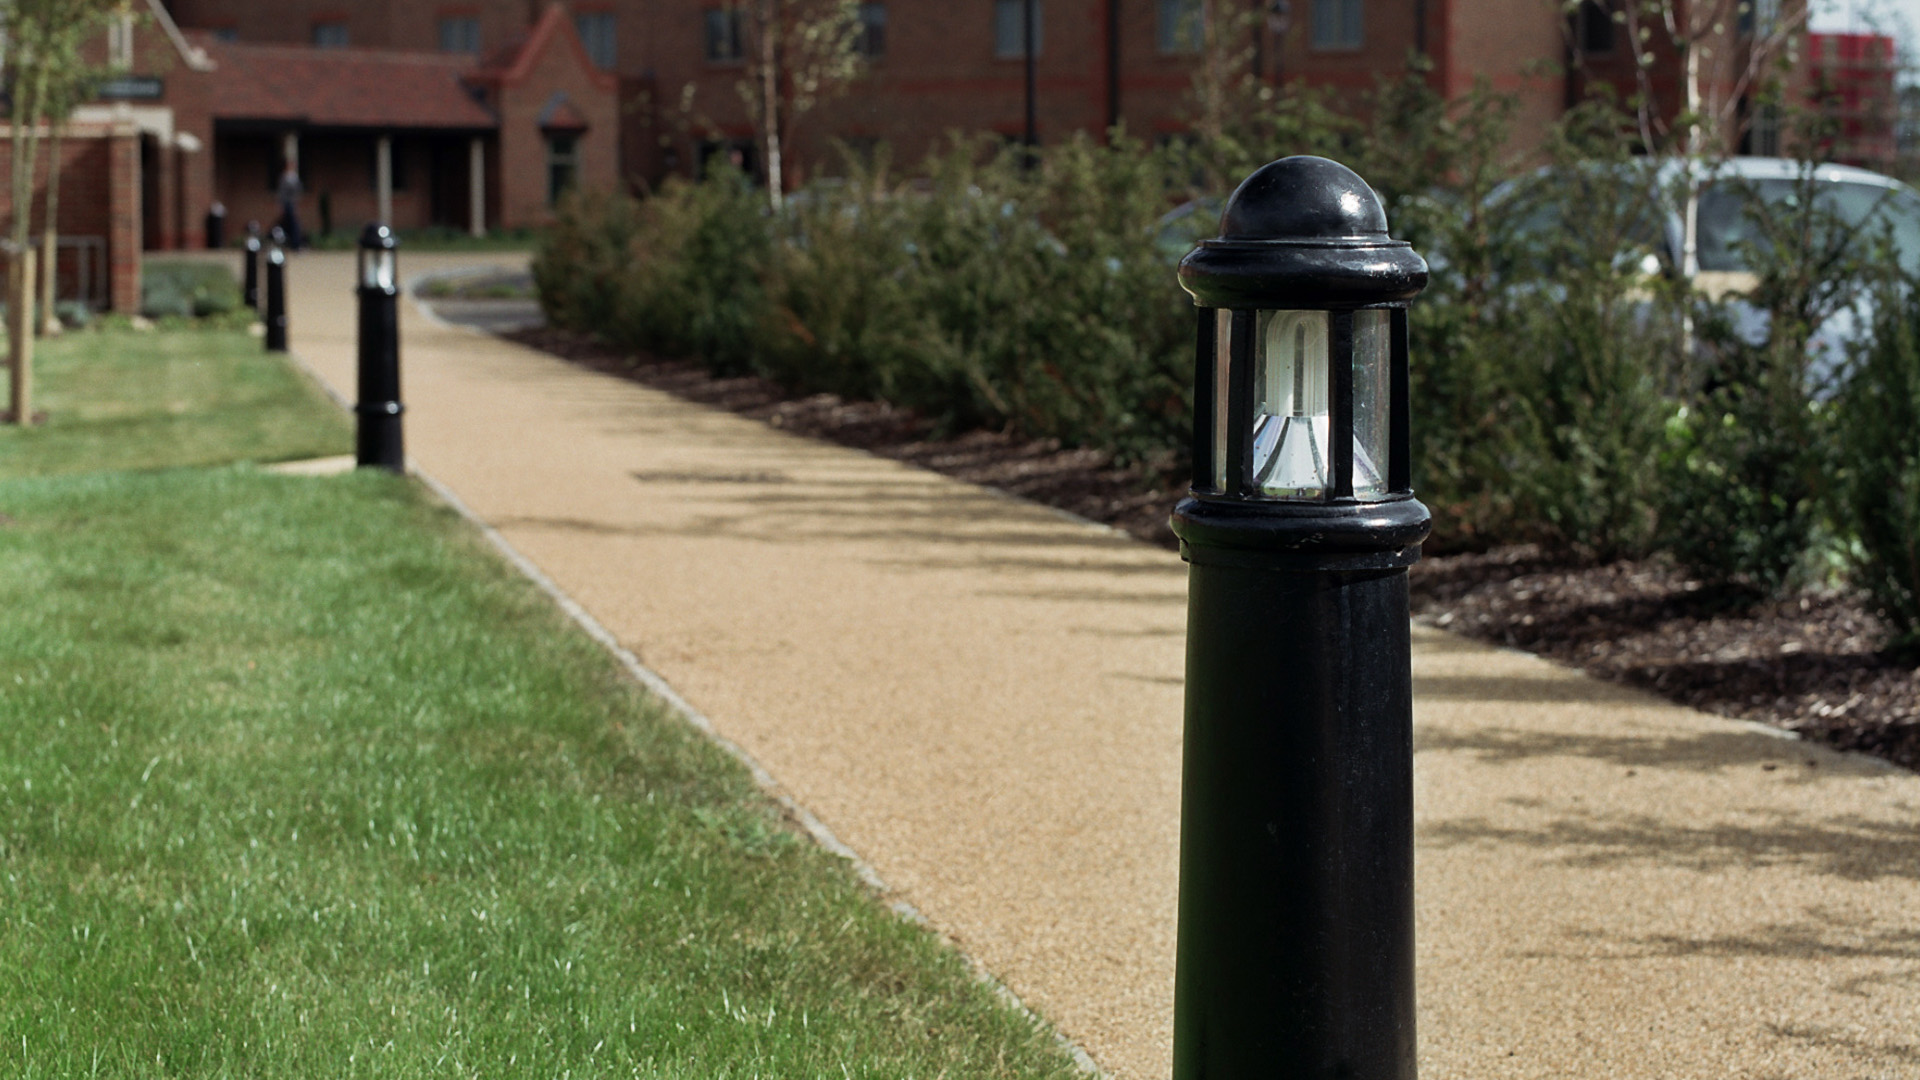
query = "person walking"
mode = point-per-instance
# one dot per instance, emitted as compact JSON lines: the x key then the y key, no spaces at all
{"x":290,"y":191}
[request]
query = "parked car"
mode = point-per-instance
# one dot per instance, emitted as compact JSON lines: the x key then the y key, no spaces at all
{"x":1864,"y":205}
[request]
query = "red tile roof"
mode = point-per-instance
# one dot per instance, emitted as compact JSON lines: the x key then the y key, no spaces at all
{"x":349,"y":88}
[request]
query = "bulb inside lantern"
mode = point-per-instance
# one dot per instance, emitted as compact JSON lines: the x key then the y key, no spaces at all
{"x":1290,"y":418}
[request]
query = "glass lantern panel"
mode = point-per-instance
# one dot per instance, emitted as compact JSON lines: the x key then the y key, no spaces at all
{"x":1290,"y":413}
{"x":1372,"y":398}
{"x":376,"y":268}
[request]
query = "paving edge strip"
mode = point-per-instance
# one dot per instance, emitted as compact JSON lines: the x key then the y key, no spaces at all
{"x":660,"y":688}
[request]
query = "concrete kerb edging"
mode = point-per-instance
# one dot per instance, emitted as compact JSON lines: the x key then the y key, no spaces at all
{"x":685,"y":709}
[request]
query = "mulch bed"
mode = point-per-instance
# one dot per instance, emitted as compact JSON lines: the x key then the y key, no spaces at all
{"x":1808,"y":663}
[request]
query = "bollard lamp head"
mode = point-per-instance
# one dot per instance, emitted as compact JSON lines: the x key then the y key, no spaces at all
{"x":378,"y":263}
{"x":1300,"y":391}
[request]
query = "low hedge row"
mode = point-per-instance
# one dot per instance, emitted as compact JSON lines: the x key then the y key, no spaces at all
{"x":1562,"y":394}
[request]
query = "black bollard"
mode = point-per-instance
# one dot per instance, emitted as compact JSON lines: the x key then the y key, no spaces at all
{"x":276,"y":299}
{"x":1295,"y":952}
{"x":379,"y":440}
{"x":251,"y":291}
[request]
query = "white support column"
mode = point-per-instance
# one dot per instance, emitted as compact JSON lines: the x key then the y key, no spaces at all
{"x":383,"y":177}
{"x":290,"y":149}
{"x":477,"y":186}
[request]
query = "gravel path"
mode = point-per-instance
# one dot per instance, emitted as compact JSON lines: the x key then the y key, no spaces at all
{"x":981,"y":697}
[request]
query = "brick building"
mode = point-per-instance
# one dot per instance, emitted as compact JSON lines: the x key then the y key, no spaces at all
{"x":937,"y":65}
{"x":1850,"y":78}
{"x":472,"y":113}
{"x":192,"y":120}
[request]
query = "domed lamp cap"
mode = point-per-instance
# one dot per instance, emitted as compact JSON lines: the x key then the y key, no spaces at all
{"x":377,"y":237}
{"x":1303,"y":232}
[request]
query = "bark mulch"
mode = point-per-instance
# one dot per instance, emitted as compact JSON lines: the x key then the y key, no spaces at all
{"x":1809,"y":663}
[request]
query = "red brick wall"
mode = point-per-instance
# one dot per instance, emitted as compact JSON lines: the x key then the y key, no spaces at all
{"x":939,"y":72}
{"x":370,"y":23}
{"x":99,"y":196}
{"x":522,"y":171}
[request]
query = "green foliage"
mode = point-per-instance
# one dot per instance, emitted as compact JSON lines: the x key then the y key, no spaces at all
{"x":1033,"y":300}
{"x":297,"y":778}
{"x":1569,"y":385}
{"x":187,"y":290}
{"x":1747,"y":455}
{"x":117,"y":398}
{"x":1594,"y":336}
{"x":1875,"y":499}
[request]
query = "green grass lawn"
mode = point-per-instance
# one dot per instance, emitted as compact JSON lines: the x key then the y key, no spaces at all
{"x":130,"y":400}
{"x":298,"y":779}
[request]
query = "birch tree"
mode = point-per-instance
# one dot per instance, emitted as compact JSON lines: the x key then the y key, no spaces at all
{"x":45,"y":61}
{"x":1730,"y":53}
{"x":798,"y":54}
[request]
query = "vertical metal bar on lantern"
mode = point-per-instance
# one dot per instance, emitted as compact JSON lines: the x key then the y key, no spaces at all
{"x":1399,"y":417}
{"x":1239,"y":403}
{"x":1205,"y":334}
{"x":1340,"y":393}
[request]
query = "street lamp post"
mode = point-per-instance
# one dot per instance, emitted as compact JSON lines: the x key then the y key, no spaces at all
{"x":378,"y":441}
{"x":251,"y":292}
{"x":277,"y":294}
{"x":1296,"y":846}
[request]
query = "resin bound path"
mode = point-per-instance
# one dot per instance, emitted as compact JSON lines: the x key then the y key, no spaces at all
{"x":982,"y":698}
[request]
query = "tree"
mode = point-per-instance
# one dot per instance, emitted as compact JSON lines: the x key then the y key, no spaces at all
{"x":45,"y":44}
{"x":1731,"y":54}
{"x":798,"y":53}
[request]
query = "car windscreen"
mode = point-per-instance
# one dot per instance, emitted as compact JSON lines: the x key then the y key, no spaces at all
{"x":1729,"y":234}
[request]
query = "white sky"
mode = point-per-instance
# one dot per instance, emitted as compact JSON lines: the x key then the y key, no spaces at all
{"x":1899,"y":18}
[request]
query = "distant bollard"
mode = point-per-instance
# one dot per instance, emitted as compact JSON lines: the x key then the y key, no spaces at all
{"x":1295,"y":953}
{"x":216,"y":226}
{"x":251,"y":291}
{"x":276,"y":298}
{"x":379,"y":438}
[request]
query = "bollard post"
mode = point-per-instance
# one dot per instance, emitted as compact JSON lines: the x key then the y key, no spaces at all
{"x":276,"y":299}
{"x":1295,"y":954}
{"x":250,"y":290}
{"x":378,"y":441}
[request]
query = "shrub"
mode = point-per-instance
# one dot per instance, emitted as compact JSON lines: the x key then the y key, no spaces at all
{"x":1876,"y":499}
{"x":1585,"y":344}
{"x":1747,"y":454}
{"x":187,"y":290}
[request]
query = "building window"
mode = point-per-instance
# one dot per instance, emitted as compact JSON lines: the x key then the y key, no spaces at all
{"x":871,"y":42}
{"x":1593,"y":27}
{"x":1336,"y":24}
{"x":1180,"y":28}
{"x":120,"y":42}
{"x":596,"y":33}
{"x":724,"y":40}
{"x":563,"y":166}
{"x":1009,"y":43}
{"x":460,"y":34}
{"x":330,"y":35}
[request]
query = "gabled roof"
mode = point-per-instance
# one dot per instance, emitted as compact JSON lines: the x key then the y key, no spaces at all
{"x":190,"y":54}
{"x":513,"y":62}
{"x":346,"y":88}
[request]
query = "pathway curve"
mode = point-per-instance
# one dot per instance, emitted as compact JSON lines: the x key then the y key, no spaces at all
{"x":982,"y":698}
